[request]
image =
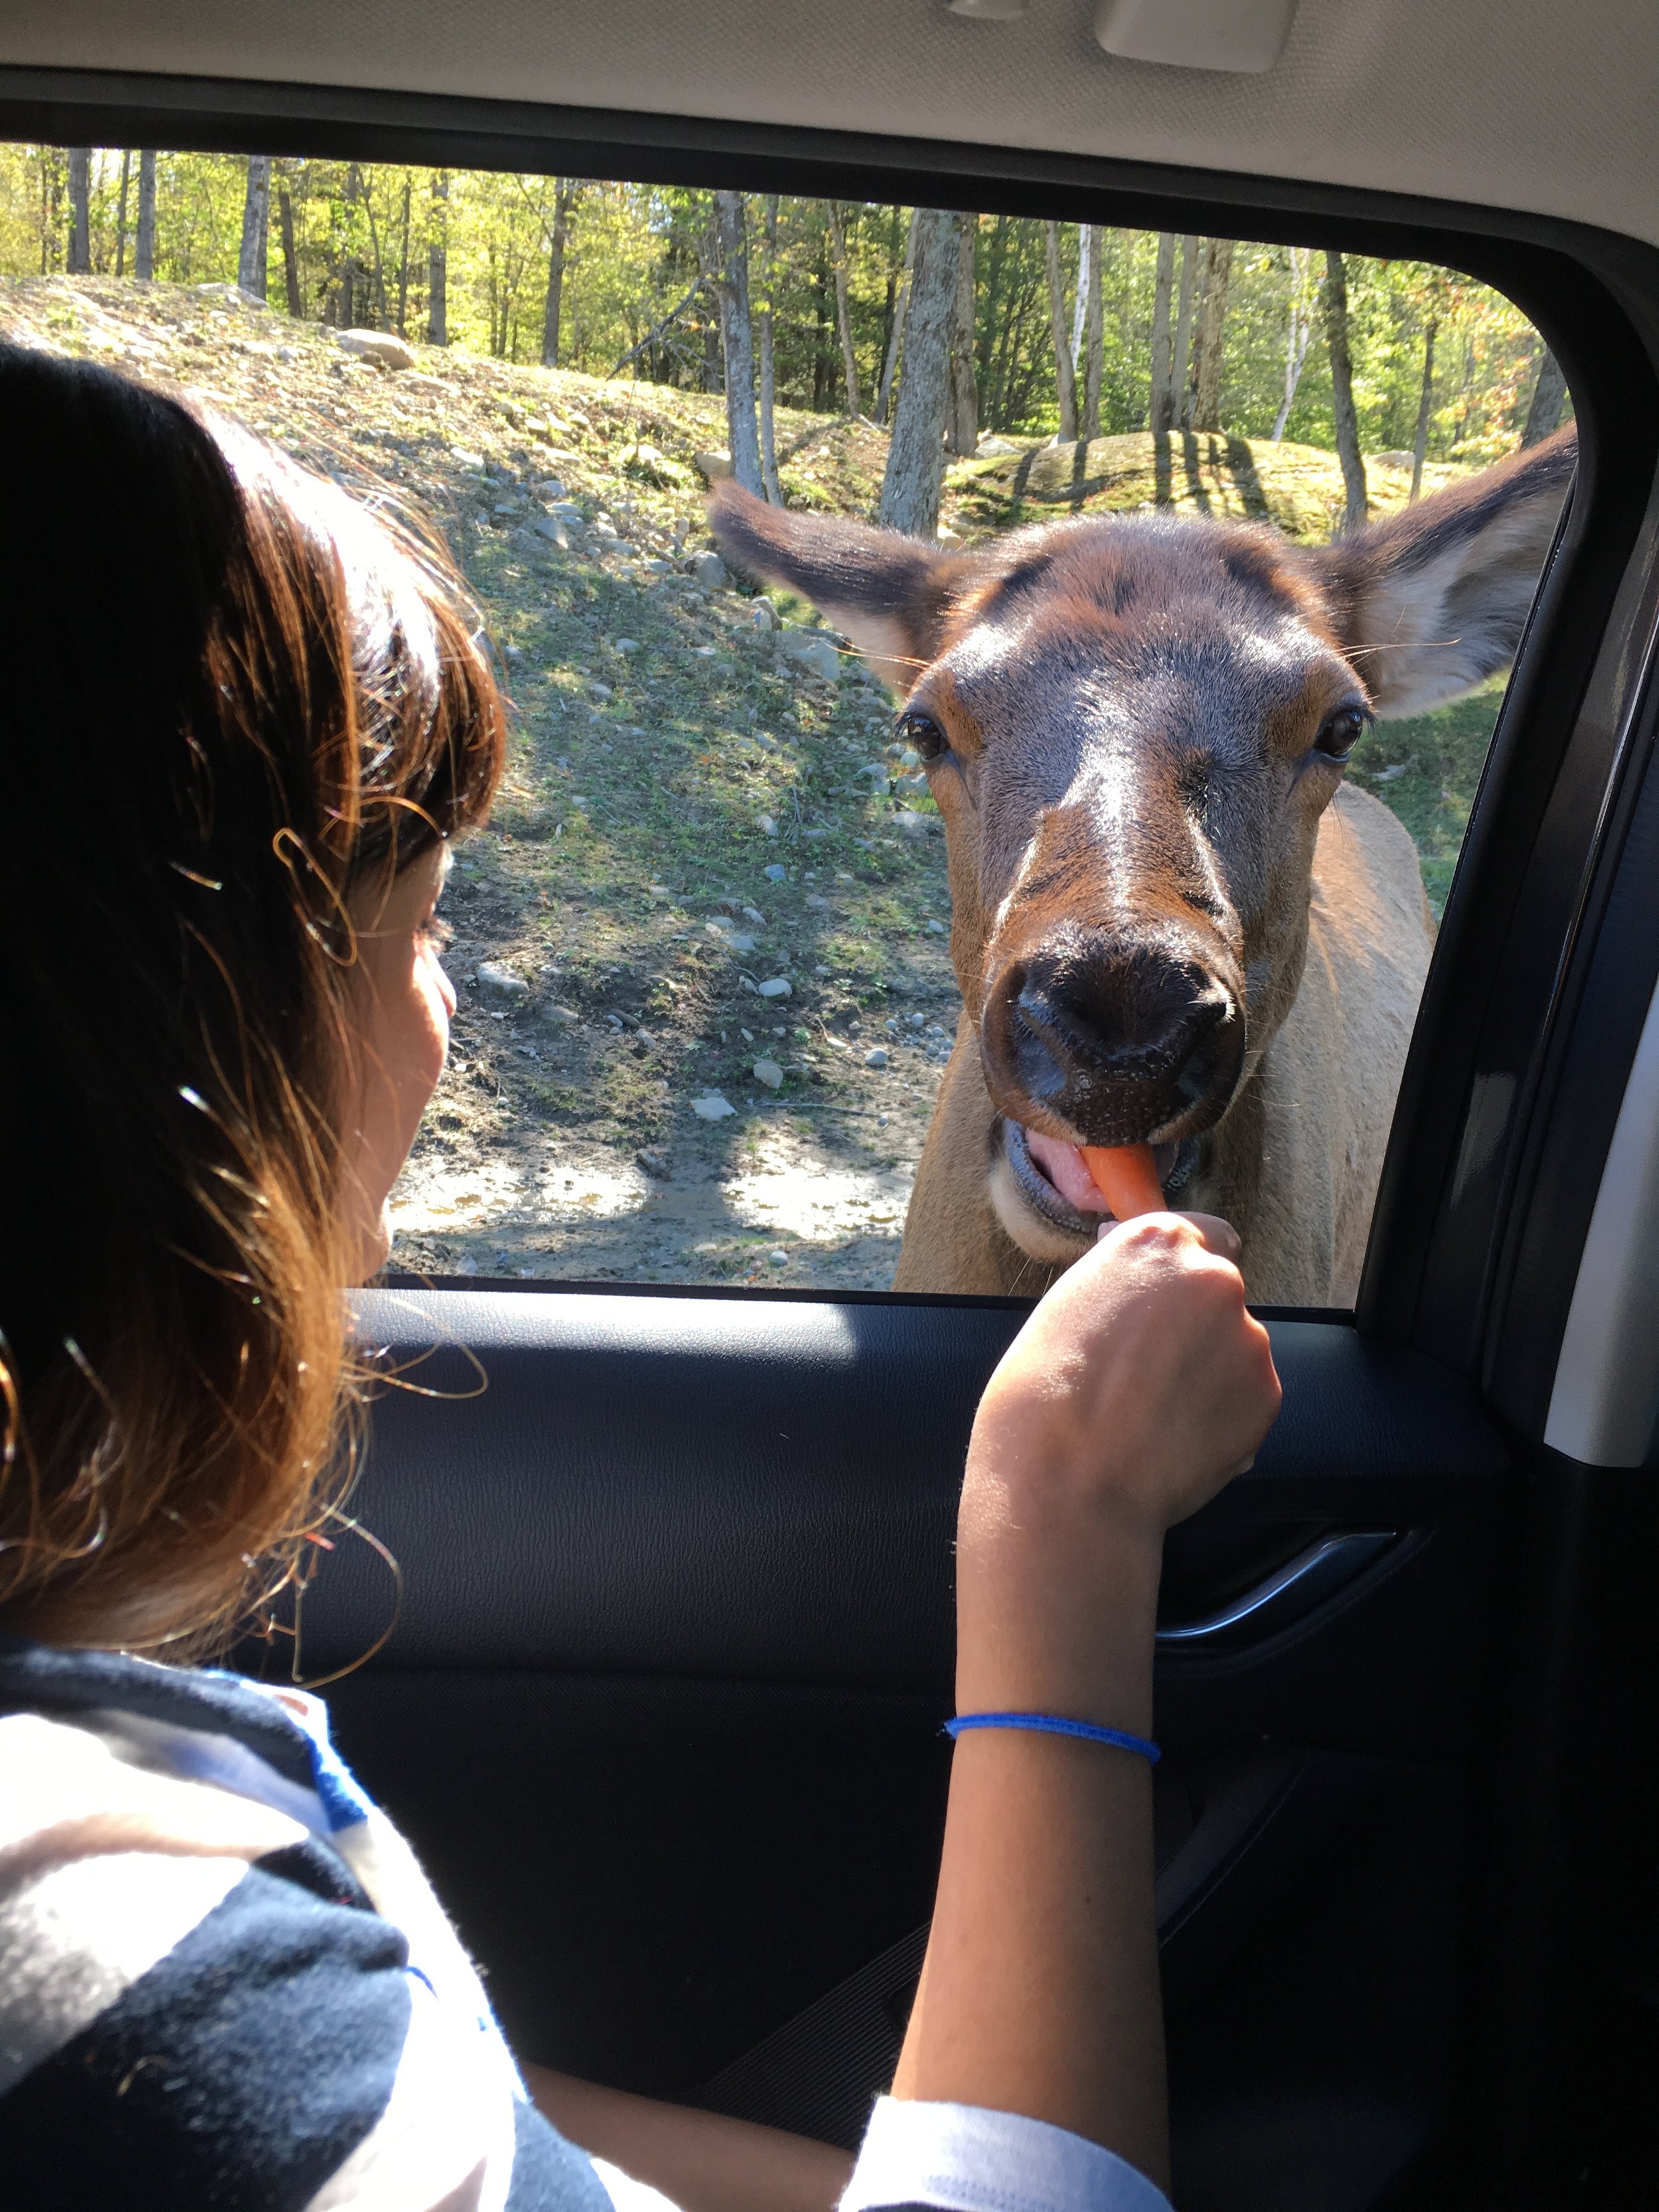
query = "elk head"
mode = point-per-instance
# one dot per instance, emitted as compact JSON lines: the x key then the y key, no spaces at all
{"x":1132,"y":726}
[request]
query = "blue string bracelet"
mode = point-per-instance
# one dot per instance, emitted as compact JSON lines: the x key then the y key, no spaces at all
{"x":1054,"y":1724}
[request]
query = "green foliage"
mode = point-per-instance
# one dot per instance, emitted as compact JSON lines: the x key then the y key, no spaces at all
{"x":363,"y":235}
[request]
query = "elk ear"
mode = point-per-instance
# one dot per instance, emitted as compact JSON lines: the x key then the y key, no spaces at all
{"x":893,"y":596}
{"x":1434,"y":599}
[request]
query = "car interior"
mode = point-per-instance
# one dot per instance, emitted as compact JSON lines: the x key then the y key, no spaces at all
{"x":675,"y":1562}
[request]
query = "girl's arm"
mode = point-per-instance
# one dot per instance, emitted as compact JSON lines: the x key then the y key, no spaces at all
{"x":1136,"y":1387}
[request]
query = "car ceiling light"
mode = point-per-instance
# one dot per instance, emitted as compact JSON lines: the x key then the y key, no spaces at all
{"x":1244,"y":35}
{"x":988,"y":11}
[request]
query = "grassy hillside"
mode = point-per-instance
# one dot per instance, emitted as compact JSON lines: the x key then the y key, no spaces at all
{"x":707,"y":880}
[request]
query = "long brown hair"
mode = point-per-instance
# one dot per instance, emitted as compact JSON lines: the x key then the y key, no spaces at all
{"x":231,"y":700}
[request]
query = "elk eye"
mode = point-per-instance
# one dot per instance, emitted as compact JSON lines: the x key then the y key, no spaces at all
{"x":1341,"y":732}
{"x":923,"y":734}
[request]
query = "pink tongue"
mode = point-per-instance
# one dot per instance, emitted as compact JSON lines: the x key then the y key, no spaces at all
{"x":1064,"y":1166}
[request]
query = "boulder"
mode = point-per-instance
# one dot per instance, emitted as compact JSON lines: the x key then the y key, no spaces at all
{"x":380,"y":346}
{"x":815,"y":650}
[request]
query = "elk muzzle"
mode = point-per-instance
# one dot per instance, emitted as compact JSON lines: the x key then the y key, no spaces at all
{"x":1098,"y":1038}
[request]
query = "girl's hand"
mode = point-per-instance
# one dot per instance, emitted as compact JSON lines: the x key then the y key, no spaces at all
{"x":1137,"y":1387}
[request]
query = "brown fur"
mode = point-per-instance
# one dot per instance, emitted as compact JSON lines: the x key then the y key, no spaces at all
{"x":1171,"y":923}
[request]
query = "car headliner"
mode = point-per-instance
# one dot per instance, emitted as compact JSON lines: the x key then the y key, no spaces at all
{"x":1541,"y":105}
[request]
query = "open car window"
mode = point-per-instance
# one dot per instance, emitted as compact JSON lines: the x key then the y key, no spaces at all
{"x":1190,"y":802}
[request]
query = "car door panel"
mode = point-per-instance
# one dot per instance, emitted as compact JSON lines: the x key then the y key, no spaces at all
{"x":660,"y":1707}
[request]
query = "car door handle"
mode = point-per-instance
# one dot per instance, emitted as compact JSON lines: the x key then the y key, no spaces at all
{"x":1288,"y":1595}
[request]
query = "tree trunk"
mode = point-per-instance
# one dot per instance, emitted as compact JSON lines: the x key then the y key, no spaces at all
{"x":915,"y":460}
{"x":252,"y":269}
{"x":901,"y":313}
{"x":1160,"y":412}
{"x":1549,"y":396}
{"x":437,"y":280}
{"x":403,"y":263}
{"x":1297,"y":339}
{"x":1065,"y":376}
{"x":1212,"y":332}
{"x":80,"y":232}
{"x":1347,"y":425}
{"x":843,"y":319}
{"x":564,"y":194}
{"x":143,"y":244}
{"x":1180,"y":366}
{"x":121,"y":215}
{"x":1093,"y":341}
{"x":1080,"y":304}
{"x":736,"y":341}
{"x":1424,"y":408}
{"x":962,"y":423}
{"x":769,"y":443}
{"x":296,"y":306}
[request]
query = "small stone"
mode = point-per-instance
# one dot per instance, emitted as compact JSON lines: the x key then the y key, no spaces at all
{"x":739,"y":940}
{"x":549,"y":527}
{"x":711,"y":1107}
{"x":776,"y":987}
{"x":814,"y":900}
{"x":776,"y":871}
{"x":714,"y":467}
{"x":624,"y":644}
{"x":914,"y":826}
{"x":769,"y":1073}
{"x":562,"y":1015}
{"x":654,"y":1163}
{"x":549,"y":487}
{"x":815,"y":652}
{"x":766,"y":824}
{"x":877,"y":1056}
{"x":764,"y":614}
{"x":710,"y":571}
{"x":753,"y":913}
{"x":779,"y":1258}
{"x":937,"y":928}
{"x":377,"y":345}
{"x":494,"y":977}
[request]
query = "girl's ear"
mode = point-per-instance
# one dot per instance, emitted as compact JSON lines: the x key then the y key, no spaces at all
{"x":1435,"y":599}
{"x":892,"y":595}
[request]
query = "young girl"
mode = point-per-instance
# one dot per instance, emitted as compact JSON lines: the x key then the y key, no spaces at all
{"x":244,"y":721}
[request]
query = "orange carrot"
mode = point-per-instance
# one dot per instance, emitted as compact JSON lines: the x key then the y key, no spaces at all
{"x":1126,"y":1178}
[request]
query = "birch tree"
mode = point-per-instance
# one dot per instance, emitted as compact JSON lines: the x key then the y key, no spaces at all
{"x":1181,"y":365}
{"x":1347,"y":424}
{"x":962,"y":419}
{"x":297,"y":304}
{"x":730,"y":278}
{"x":1211,"y":335}
{"x":901,"y":311}
{"x":1161,"y":410}
{"x":143,"y":243}
{"x":1297,"y":334}
{"x":1065,"y":375}
{"x":79,"y":259}
{"x":768,"y":442}
{"x":437,"y":262}
{"x":843,"y":319}
{"x":915,"y":459}
{"x":252,"y":268}
{"x":1424,"y":408}
{"x":1094,"y":335}
{"x":121,"y":215}
{"x":564,"y":196}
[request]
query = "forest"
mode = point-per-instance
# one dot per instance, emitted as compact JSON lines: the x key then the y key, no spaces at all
{"x":1026,"y":328}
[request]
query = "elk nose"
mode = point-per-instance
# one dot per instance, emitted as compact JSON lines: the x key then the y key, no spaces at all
{"x":1118,"y":1044}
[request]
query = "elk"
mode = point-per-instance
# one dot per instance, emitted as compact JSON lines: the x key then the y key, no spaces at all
{"x":1173,"y":923}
